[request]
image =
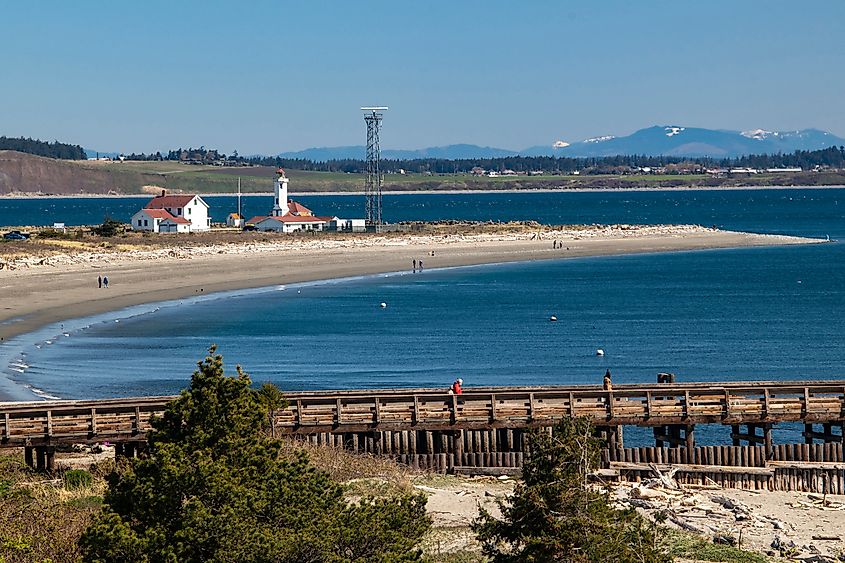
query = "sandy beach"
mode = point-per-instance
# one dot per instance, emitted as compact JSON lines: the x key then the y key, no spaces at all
{"x":38,"y":290}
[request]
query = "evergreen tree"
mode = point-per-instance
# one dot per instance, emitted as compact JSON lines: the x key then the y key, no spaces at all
{"x":43,"y":148}
{"x":214,"y":488}
{"x":109,"y":228}
{"x":555,"y":515}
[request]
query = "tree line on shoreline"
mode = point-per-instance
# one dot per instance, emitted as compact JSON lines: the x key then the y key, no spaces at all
{"x":831,"y":157}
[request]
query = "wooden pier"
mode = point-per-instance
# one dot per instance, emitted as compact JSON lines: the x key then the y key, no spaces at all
{"x":483,"y":429}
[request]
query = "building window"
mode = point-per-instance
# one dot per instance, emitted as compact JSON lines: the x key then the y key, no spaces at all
{"x":139,"y":222}
{"x":178,"y":211}
{"x":145,"y":222}
{"x":188,"y":209}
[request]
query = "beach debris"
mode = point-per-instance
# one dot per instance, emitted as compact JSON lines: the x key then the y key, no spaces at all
{"x":724,"y":539}
{"x":109,"y":254}
{"x":710,"y":514}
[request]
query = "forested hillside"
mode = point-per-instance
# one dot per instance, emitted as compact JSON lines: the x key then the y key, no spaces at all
{"x":833,"y":157}
{"x":55,"y":149}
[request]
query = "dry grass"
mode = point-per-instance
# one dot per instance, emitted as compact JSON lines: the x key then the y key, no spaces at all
{"x":364,"y":474}
{"x":41,"y":519}
{"x":80,"y":239}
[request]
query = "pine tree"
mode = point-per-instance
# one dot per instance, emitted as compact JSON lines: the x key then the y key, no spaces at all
{"x":555,"y":514}
{"x":214,"y":488}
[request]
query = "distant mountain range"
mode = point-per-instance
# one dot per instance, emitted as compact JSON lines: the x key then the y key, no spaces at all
{"x":358,"y":152}
{"x":669,"y":140}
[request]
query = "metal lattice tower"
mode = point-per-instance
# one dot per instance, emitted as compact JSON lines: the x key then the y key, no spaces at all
{"x":372,"y":190}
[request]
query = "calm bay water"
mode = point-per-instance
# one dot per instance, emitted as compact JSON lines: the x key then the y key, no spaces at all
{"x":774,"y":313}
{"x":806,"y":211}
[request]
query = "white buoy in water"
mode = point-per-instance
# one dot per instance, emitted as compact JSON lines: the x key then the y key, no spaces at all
{"x":599,"y":352}
{"x":383,"y":305}
{"x":553,"y":318}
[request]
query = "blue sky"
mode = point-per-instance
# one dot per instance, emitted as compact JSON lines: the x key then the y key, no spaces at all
{"x":265,"y":77}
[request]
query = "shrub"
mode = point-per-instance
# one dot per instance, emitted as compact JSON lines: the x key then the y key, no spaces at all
{"x":555,"y":515}
{"x":77,"y":479}
{"x":109,"y":228}
{"x":215,"y":488}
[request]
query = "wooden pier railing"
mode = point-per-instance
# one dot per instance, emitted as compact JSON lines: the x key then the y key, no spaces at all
{"x":338,"y":412}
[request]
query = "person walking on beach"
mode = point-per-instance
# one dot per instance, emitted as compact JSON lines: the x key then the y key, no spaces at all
{"x":608,"y":384}
{"x":100,"y":281}
{"x":455,"y":389}
{"x":554,"y":244}
{"x":421,"y":268}
{"x":106,"y":282}
{"x":415,"y":264}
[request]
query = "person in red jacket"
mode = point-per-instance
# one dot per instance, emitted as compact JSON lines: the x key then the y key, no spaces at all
{"x":456,"y":386}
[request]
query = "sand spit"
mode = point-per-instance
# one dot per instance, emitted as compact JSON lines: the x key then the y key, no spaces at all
{"x":129,"y":253}
{"x":61,"y":283}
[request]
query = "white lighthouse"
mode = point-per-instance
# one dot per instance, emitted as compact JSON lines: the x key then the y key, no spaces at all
{"x":280,"y":206}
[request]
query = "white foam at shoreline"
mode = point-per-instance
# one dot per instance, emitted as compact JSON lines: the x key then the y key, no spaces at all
{"x":16,"y":347}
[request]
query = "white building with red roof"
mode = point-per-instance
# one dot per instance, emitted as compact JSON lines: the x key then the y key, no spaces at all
{"x":173,"y":214}
{"x":290,"y":216}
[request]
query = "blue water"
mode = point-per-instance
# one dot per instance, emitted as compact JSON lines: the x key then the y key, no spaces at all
{"x":775,"y":313}
{"x":806,"y":211}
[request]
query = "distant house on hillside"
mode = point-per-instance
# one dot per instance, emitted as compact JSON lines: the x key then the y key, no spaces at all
{"x":198,"y":156}
{"x":173,"y":214}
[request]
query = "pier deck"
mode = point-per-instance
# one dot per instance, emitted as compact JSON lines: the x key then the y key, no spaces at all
{"x":484,"y":428}
{"x":728,"y":403}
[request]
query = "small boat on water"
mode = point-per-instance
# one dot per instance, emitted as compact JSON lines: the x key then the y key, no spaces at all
{"x":599,"y":352}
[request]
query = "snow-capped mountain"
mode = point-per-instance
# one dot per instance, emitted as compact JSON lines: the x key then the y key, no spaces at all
{"x":675,"y":140}
{"x":670,"y":140}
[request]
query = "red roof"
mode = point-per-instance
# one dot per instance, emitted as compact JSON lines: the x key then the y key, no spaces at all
{"x":171,"y":201}
{"x":180,"y":220}
{"x":163,"y":214}
{"x":291,"y":219}
{"x":297,"y":208}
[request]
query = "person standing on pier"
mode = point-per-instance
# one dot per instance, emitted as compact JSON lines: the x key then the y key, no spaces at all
{"x":608,"y":384}
{"x":456,"y":387}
